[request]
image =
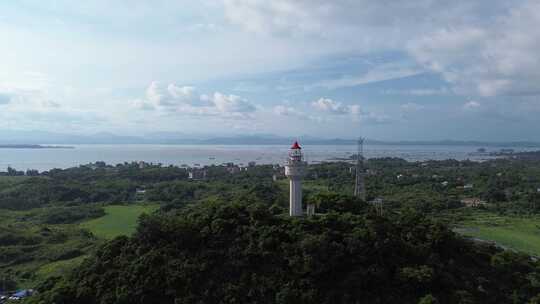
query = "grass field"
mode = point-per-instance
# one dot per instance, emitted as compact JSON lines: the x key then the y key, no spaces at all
{"x":119,"y":220}
{"x":519,"y":233}
{"x":59,"y":268}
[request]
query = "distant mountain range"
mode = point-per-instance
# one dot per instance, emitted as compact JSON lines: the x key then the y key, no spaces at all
{"x":47,"y":138}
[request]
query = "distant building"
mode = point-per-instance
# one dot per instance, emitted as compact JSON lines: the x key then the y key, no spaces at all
{"x":378,"y":203}
{"x":468,"y":186}
{"x":140,"y":194}
{"x":377,"y":200}
{"x":197,"y":174}
{"x":371,"y":172}
{"x":473,"y":202}
{"x":310,"y":209}
{"x":444,"y":184}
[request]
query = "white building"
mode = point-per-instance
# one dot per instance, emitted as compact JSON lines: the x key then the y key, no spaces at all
{"x":140,"y":194}
{"x":197,"y":174}
{"x":295,"y":170}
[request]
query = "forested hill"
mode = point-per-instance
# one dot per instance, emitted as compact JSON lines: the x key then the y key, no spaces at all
{"x":247,"y":252}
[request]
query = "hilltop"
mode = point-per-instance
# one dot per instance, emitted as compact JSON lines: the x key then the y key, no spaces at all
{"x":243,"y":252}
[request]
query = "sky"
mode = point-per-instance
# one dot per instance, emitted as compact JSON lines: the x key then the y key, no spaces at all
{"x":388,"y":70}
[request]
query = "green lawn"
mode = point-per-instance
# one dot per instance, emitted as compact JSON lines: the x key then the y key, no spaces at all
{"x":119,"y":220}
{"x":519,"y":233}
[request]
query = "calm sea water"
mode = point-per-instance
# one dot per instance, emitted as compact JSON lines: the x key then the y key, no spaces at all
{"x":46,"y":159}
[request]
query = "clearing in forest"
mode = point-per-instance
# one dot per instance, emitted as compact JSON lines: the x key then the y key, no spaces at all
{"x":521,"y":233}
{"x":118,"y":220}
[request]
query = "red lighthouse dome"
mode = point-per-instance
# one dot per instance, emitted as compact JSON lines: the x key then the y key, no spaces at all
{"x":295,"y":146}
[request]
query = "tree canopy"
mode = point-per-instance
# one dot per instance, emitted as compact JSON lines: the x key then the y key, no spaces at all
{"x":241,"y":252}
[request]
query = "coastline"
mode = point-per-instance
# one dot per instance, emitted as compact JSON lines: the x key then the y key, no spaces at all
{"x":34,"y":147}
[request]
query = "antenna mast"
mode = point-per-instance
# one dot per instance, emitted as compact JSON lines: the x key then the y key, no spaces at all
{"x":360,"y":187}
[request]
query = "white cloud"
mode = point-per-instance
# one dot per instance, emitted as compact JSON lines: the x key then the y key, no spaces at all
{"x":364,"y":24}
{"x":183,"y":100}
{"x":231,"y":103}
{"x":480,"y":48}
{"x":355,"y":109}
{"x":334,"y":107}
{"x":288,"y":111}
{"x":282,"y":110}
{"x":170,"y":96}
{"x":428,"y":92}
{"x":470,"y":105}
{"x":34,"y":108}
{"x":142,"y":105}
{"x":486,"y":49}
{"x":154,"y":94}
{"x":499,"y":58}
{"x":17,"y":99}
{"x":182,"y":94}
{"x":379,"y":73}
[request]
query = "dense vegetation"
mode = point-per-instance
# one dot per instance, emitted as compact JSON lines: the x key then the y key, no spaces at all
{"x":27,"y":243}
{"x":509,"y":185}
{"x":85,"y":184}
{"x":244,"y":253}
{"x":225,"y":238}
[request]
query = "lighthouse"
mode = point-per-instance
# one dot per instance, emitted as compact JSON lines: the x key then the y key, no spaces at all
{"x":294,"y":170}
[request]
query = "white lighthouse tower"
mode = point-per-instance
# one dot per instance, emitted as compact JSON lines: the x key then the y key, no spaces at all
{"x":294,"y":170}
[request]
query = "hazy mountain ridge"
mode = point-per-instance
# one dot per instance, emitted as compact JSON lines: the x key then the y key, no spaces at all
{"x":42,"y":137}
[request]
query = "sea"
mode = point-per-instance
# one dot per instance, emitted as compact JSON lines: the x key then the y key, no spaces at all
{"x":201,"y":155}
